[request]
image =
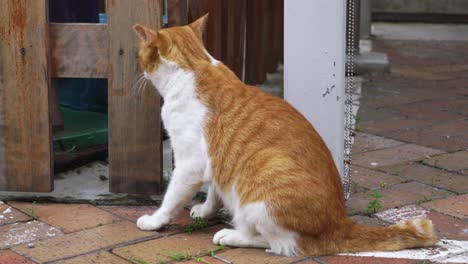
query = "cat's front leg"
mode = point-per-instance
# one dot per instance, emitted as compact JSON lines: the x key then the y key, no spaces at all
{"x":209,"y":208}
{"x":182,"y":187}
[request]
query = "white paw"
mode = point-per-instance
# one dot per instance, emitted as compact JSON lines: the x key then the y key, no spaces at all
{"x":225,"y":237}
{"x":197,"y":211}
{"x":149,"y":222}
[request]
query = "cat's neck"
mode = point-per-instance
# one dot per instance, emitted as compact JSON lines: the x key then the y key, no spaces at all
{"x":171,"y":80}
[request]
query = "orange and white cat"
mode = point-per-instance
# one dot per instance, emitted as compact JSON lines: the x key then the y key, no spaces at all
{"x":264,"y":162}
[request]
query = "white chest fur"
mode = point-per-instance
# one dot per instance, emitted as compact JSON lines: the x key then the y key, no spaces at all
{"x":183,"y":115}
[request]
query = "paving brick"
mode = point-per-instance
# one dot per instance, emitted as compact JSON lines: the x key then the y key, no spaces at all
{"x":248,"y":255}
{"x":393,"y":155}
{"x":418,"y":74}
{"x":157,"y":250}
{"x":372,"y":179}
{"x":456,"y":206}
{"x":432,"y":176}
{"x":448,"y":136}
{"x":82,"y":242}
{"x":457,"y":161}
{"x":132,"y":213}
{"x":366,"y":142}
{"x":10,"y":215}
{"x":98,"y":257}
{"x":20,"y":233}
{"x":448,"y":227}
{"x":364,"y":260}
{"x":396,"y":195}
{"x":382,"y":127}
{"x":10,"y":257}
{"x":453,"y":104}
{"x":68,"y":217}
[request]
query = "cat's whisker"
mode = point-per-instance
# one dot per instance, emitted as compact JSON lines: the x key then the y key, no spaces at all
{"x":136,"y":85}
{"x":143,"y":87}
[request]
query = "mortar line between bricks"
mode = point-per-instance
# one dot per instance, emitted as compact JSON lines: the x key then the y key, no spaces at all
{"x":120,"y":257}
{"x":408,"y":129}
{"x":302,"y":260}
{"x":317,"y":259}
{"x":120,"y":220}
{"x":108,"y":248}
{"x":407,"y":180}
{"x":444,"y":169}
{"x":21,"y":221}
{"x":25,"y":256}
{"x":371,"y":150}
{"x":123,"y":244}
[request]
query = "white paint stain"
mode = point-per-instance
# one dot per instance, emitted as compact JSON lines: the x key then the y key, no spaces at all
{"x":25,"y":233}
{"x":374,"y":164}
{"x":444,"y":251}
{"x":402,"y":214}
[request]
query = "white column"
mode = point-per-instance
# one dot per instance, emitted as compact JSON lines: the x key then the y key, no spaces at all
{"x":314,"y":67}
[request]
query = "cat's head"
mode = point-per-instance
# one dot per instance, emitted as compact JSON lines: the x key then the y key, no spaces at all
{"x":181,"y":46}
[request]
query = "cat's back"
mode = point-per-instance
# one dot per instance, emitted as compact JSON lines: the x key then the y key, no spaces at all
{"x":252,"y":132}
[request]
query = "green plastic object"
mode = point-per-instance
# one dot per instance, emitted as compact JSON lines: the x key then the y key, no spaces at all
{"x":82,"y":129}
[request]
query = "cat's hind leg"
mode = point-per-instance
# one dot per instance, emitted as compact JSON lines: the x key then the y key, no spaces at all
{"x":244,"y":234}
{"x":209,"y":208}
{"x":258,"y":219}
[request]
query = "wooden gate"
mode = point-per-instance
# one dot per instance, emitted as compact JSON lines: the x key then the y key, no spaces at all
{"x":245,"y":35}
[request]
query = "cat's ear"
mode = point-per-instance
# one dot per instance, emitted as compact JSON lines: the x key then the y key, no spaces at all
{"x":147,"y":35}
{"x":199,"y":25}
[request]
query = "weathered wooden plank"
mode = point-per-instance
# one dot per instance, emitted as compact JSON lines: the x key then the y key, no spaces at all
{"x":26,"y":159}
{"x":279,"y":47}
{"x":272,"y":32}
{"x":177,"y":12}
{"x":135,"y":151}
{"x":79,"y":50}
{"x":234,"y":12}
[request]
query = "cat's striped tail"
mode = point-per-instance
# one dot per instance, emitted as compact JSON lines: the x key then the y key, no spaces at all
{"x":359,"y":238}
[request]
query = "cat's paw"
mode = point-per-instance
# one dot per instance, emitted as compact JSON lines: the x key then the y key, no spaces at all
{"x":224,"y":237}
{"x":199,"y":210}
{"x":149,"y":222}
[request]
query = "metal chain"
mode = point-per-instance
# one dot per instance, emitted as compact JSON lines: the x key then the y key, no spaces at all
{"x":349,"y":98}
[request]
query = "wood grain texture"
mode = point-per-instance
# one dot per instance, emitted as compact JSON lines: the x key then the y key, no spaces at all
{"x":234,"y":13}
{"x":26,"y":159}
{"x":177,"y":12}
{"x":79,"y":50}
{"x":135,"y":151}
{"x":255,"y":60}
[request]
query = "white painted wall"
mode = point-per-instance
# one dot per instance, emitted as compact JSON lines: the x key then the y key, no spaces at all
{"x":314,"y":67}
